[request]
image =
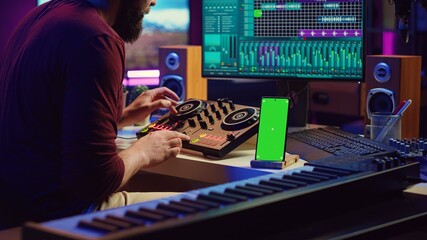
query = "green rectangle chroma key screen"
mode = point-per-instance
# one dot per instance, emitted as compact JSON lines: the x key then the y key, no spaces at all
{"x":271,"y":140}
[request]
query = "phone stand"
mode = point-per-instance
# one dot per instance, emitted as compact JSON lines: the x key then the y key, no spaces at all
{"x":289,"y":160}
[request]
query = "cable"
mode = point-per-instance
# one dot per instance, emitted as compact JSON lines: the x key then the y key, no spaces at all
{"x":293,"y":96}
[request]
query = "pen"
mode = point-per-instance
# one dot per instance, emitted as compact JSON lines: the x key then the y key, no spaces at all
{"x":399,"y":107}
{"x":392,"y":121}
{"x":404,"y":107}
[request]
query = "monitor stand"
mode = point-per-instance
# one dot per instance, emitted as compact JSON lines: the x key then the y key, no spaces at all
{"x":298,"y":92}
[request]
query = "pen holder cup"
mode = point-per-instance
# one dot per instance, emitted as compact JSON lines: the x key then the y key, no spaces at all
{"x":388,"y":122}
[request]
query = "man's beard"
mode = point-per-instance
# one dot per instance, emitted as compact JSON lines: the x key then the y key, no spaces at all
{"x":129,"y":24}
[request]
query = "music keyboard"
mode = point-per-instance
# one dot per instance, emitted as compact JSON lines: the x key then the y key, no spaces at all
{"x":264,"y":202}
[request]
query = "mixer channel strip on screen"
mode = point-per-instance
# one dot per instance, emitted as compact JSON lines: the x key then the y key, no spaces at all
{"x":297,"y":39}
{"x":215,"y":127}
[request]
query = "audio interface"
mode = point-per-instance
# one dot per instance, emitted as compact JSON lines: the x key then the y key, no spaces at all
{"x":215,"y":127}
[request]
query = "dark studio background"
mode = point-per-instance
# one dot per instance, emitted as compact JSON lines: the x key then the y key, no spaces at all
{"x":383,"y":38}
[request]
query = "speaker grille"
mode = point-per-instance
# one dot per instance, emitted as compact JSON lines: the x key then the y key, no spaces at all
{"x":380,"y":100}
{"x":174,"y":83}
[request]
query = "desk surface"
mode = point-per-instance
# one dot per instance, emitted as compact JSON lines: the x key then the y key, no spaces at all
{"x":194,"y":166}
{"x":234,"y":166}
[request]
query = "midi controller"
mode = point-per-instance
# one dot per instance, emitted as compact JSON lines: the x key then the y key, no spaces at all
{"x":287,"y":203}
{"x":215,"y":127}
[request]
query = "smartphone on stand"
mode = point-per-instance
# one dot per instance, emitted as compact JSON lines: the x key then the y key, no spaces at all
{"x":272,"y":130}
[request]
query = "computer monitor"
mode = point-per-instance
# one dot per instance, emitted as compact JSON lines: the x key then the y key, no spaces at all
{"x":290,"y":41}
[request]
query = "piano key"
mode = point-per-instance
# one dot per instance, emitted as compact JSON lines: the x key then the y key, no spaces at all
{"x":273,"y":183}
{"x":218,"y":199}
{"x":97,"y":226}
{"x":145,"y":215}
{"x":305,"y":179}
{"x":321,"y":174}
{"x":244,"y":192}
{"x":196,"y":206}
{"x":339,"y":172}
{"x":288,"y":182}
{"x":125,"y":219}
{"x":256,"y":189}
{"x":323,"y":178}
{"x":269,"y":187}
{"x":176,"y":208}
{"x":119,"y":224}
{"x":165,"y":213}
{"x":230,"y":195}
{"x":293,"y":181}
{"x":207,"y":203}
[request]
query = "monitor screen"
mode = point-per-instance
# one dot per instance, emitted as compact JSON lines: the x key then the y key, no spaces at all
{"x":287,"y":39}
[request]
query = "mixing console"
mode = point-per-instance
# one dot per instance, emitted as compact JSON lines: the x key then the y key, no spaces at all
{"x":215,"y":127}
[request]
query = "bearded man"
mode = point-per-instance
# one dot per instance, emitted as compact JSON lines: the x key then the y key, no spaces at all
{"x":61,"y":107}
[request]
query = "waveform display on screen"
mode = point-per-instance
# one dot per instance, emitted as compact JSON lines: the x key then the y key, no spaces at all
{"x":294,"y":38}
{"x":307,"y":58}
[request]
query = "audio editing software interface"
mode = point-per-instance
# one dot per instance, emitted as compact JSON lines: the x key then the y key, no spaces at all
{"x":319,"y":39}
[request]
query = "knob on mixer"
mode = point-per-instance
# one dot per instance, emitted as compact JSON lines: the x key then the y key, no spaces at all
{"x":188,"y":109}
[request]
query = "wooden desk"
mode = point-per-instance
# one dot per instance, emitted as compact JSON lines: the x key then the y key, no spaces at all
{"x":194,"y":166}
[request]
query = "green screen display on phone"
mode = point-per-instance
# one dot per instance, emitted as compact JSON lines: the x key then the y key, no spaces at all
{"x":272,"y":129}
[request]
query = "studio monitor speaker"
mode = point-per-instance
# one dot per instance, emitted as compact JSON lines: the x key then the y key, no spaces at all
{"x":181,"y":71}
{"x":400,"y":76}
{"x":380,"y":100}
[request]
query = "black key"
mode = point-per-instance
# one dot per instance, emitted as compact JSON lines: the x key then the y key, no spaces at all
{"x":339,"y":172}
{"x":145,"y":215}
{"x":278,"y":184}
{"x":97,"y":226}
{"x":272,"y":188}
{"x":176,"y":208}
{"x":196,"y":206}
{"x":132,"y":221}
{"x":313,"y":176}
{"x":243,"y":192}
{"x":293,"y":181}
{"x":165,"y":213}
{"x":256,"y":189}
{"x":218,"y":199}
{"x":119,"y":224}
{"x":321,"y":174}
{"x":207,"y":203}
{"x":230,"y":195}
{"x":305,"y":179}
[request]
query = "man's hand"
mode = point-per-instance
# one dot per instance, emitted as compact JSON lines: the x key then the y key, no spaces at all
{"x":146,"y":103}
{"x":151,"y":150}
{"x":159,"y":146}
